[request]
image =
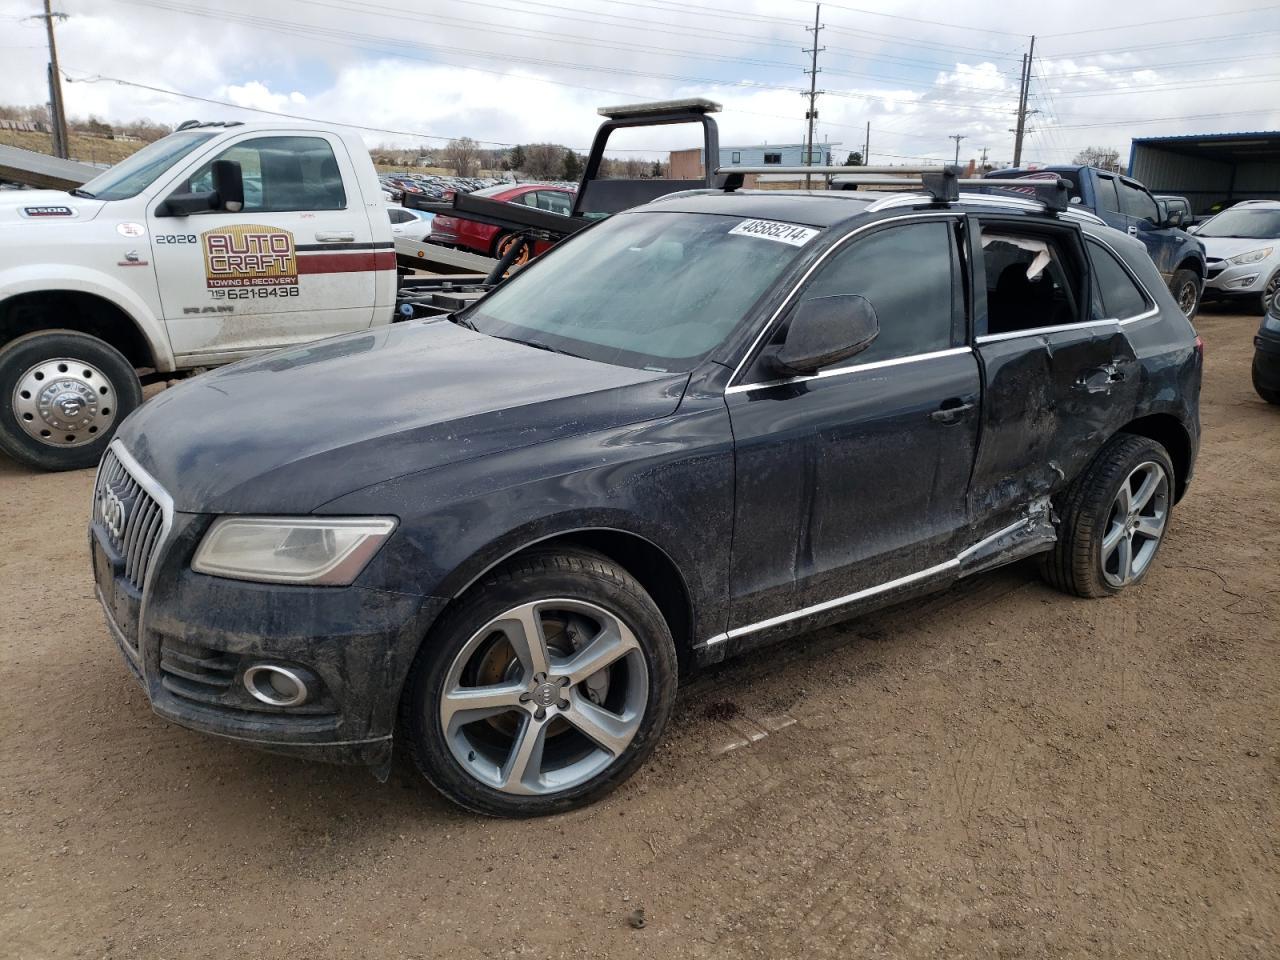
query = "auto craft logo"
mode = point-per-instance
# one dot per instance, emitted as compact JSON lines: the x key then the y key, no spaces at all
{"x":249,"y":255}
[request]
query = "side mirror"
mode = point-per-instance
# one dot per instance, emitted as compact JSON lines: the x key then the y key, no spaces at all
{"x":185,"y":204}
{"x":227,"y":194}
{"x":826,"y":330}
{"x":228,"y":185}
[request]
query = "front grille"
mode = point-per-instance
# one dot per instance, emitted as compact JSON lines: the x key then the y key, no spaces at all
{"x":196,"y":672}
{"x":131,"y":518}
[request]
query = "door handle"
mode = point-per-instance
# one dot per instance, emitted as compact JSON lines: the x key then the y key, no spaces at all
{"x":335,"y":237}
{"x":1133,"y":229}
{"x":1100,"y":378}
{"x":952,"y":410}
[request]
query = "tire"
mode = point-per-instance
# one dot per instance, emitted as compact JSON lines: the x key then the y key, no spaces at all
{"x":62,"y":395}
{"x":1186,"y":288}
{"x":1270,"y":292}
{"x":472,"y":755}
{"x":1271,"y":396}
{"x":1080,"y":562}
{"x":503,"y":242}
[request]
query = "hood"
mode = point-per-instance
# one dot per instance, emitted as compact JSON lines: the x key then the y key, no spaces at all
{"x":46,"y":206}
{"x":290,"y":431}
{"x":1223,"y":248}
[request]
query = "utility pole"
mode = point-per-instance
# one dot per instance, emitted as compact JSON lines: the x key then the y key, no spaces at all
{"x":1025,"y":88}
{"x":983,"y":166}
{"x":812,"y":114}
{"x":957,"y":137}
{"x":57,"y":115}
{"x":866,"y":147}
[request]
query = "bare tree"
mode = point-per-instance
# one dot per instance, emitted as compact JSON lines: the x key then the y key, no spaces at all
{"x":543,"y":161}
{"x":463,"y":156}
{"x":1104,"y":158}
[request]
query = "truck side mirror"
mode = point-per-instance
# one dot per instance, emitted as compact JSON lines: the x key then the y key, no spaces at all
{"x":228,"y":185}
{"x":826,"y":330}
{"x":185,"y":204}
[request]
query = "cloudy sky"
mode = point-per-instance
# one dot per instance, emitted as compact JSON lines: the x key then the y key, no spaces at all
{"x":507,"y":71}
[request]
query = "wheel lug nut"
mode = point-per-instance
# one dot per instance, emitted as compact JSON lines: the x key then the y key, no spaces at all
{"x":563,"y":704}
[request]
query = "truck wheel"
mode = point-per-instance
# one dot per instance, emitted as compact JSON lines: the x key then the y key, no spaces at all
{"x":1186,"y":287}
{"x":1114,"y":517}
{"x":503,"y":244}
{"x":545,"y":688}
{"x":62,"y":393}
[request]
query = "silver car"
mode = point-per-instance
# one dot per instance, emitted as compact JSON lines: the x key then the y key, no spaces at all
{"x":1242,"y":250}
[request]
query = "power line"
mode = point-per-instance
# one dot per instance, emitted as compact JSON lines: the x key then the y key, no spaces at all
{"x":1216,"y":15}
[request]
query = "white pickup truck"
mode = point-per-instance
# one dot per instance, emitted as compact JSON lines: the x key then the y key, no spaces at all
{"x":217,"y":242}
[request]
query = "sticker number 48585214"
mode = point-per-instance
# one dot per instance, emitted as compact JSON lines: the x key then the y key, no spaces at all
{"x":775,"y":230}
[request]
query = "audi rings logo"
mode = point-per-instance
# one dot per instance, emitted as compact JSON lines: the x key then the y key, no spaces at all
{"x":115,"y":512}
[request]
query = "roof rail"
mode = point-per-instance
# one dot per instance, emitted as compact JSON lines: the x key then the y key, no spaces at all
{"x":193,"y":124}
{"x":941,"y":182}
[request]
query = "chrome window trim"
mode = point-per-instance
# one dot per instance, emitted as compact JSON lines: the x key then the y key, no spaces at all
{"x":856,"y":368}
{"x":839,"y":244}
{"x":910,"y":578}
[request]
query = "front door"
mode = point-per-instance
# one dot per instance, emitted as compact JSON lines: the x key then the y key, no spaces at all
{"x":856,"y":477}
{"x":295,"y":264}
{"x":1060,"y":374}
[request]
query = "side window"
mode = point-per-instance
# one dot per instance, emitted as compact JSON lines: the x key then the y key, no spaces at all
{"x":1108,"y":199}
{"x":773,"y":158}
{"x":1032,"y":281}
{"x":1120,"y":297}
{"x":909,"y":274}
{"x":1138,"y":203}
{"x":737,"y":157}
{"x":282,"y":174}
{"x":554,"y":201}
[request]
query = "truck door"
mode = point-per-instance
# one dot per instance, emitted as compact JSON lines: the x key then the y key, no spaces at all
{"x":855,"y":477}
{"x":295,"y":264}
{"x":1060,"y":374}
{"x":1107,"y":200}
{"x":1144,"y":223}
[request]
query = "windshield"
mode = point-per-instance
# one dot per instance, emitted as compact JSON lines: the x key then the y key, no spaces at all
{"x":135,"y":173}
{"x":655,"y":291}
{"x":1249,"y":224}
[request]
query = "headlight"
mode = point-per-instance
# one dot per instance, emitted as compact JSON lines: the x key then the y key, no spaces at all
{"x":1253,"y":256}
{"x":313,"y":550}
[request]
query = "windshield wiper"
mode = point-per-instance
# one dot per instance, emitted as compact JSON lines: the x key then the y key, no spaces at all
{"x":462,"y":321}
{"x":78,"y":192}
{"x":539,"y":345}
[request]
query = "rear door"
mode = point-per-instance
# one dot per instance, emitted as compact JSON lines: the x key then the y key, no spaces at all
{"x":295,"y":264}
{"x":855,"y":477}
{"x":1060,"y":375}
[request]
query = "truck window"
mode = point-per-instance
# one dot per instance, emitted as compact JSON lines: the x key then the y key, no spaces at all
{"x":1120,"y":296}
{"x":1108,"y":199}
{"x":282,"y":174}
{"x":134,"y":174}
{"x":1136,"y":202}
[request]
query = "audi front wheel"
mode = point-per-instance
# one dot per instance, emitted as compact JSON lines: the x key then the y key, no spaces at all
{"x":545,"y":688}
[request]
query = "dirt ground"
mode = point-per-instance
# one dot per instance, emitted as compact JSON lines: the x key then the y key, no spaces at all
{"x":1000,"y":771}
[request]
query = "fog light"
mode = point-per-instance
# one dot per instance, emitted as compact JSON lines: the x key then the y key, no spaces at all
{"x":1243,"y":282}
{"x":275,"y":685}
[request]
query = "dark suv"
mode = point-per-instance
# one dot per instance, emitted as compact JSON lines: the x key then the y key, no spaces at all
{"x":708,"y":423}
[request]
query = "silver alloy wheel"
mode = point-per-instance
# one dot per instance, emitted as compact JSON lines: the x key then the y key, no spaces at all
{"x":1135,"y":524}
{"x":563,"y":710}
{"x":64,"y":402}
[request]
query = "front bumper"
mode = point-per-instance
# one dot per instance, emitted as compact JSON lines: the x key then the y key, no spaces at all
{"x":188,"y":639}
{"x":1225,"y":280}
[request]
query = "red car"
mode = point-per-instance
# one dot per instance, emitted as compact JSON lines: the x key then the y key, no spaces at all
{"x":451,"y":231}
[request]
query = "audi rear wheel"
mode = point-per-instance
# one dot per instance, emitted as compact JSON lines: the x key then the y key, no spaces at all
{"x":546,"y":687}
{"x":62,"y":394}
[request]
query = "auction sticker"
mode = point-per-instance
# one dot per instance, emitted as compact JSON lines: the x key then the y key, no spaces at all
{"x":790,"y":233}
